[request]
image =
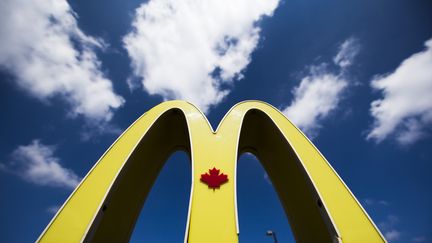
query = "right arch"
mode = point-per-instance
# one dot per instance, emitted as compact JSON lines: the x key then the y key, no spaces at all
{"x":305,"y":208}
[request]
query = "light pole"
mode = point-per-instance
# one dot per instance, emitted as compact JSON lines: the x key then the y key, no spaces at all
{"x":272,"y":233}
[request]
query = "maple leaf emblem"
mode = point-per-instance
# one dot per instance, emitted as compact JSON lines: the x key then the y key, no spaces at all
{"x":214,"y":178}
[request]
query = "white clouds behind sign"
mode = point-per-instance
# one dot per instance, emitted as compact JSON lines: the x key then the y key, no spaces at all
{"x":316,"y":96}
{"x":405,"y":110}
{"x":37,"y":164}
{"x":320,"y":92}
{"x":48,"y":54}
{"x":190,"y":49}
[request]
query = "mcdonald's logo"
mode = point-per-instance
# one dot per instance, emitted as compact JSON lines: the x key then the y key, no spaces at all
{"x":317,"y":203}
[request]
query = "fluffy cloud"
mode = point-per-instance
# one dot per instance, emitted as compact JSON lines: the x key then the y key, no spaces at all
{"x":392,"y":235}
{"x":193,"y":49}
{"x":53,"y":209}
{"x":419,"y":239}
{"x":320,"y":92}
{"x":389,"y":228}
{"x":374,"y":202}
{"x":405,"y":110}
{"x":317,"y":95}
{"x":42,"y":46}
{"x":348,"y":50}
{"x":37,"y":164}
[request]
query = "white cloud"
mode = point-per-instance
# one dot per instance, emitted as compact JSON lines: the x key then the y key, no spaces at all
{"x":190,"y":49}
{"x":93,"y":131}
{"x":419,"y":239}
{"x":37,"y":164}
{"x":389,"y":228}
{"x":53,"y":209}
{"x":371,"y":202}
{"x":320,"y":92}
{"x":392,"y":235}
{"x":405,"y":110}
{"x":48,"y":54}
{"x":348,"y":50}
{"x":317,"y":95}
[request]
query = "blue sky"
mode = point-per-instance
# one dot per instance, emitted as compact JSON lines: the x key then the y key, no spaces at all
{"x":355,"y":76}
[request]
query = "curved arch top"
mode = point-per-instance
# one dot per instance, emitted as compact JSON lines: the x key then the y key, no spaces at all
{"x":317,"y":202}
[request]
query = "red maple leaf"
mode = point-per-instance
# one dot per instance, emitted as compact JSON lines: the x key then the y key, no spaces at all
{"x":214,"y":179}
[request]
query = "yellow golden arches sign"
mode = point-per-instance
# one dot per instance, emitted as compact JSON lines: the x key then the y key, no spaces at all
{"x":106,"y":204}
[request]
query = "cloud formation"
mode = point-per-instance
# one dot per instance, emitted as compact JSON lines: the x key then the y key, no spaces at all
{"x":49,"y":56}
{"x":347,"y":51}
{"x":194,"y":50}
{"x":320,"y":92}
{"x":53,"y":209}
{"x":375,"y":202}
{"x":389,"y":228}
{"x":419,"y":239}
{"x":317,"y":95}
{"x":392,"y":235}
{"x":405,"y":109}
{"x":37,"y":164}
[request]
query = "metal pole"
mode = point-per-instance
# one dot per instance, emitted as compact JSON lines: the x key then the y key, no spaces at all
{"x":273,"y":234}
